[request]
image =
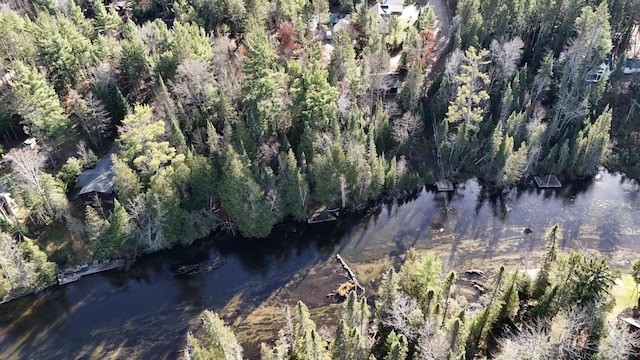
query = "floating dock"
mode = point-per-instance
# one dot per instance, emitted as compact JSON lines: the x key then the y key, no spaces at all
{"x":547,"y":182}
{"x":75,"y":273}
{"x":444,"y":185}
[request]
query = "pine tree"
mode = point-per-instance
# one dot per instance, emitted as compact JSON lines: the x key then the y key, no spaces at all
{"x":218,"y":341}
{"x":294,"y":186}
{"x":467,"y":109}
{"x":96,"y":227}
{"x":127,"y":184}
{"x":140,"y":141}
{"x":549,"y":259}
{"x":411,"y":91}
{"x":447,"y":288}
{"x":64,"y":49}
{"x":118,"y":232}
{"x":308,"y":344}
{"x":38,"y":106}
{"x":134,"y":59}
{"x":243,"y":198}
{"x":106,"y":21}
{"x":398,"y":347}
{"x":342,"y":60}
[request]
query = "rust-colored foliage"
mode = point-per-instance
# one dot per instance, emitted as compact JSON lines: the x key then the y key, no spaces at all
{"x":286,"y":36}
{"x":429,"y":41}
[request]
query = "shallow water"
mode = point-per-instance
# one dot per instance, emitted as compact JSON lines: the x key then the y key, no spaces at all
{"x":144,"y":313}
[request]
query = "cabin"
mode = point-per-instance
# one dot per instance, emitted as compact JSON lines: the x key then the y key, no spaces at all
{"x":387,"y":83}
{"x":381,"y":17}
{"x":343,"y":23}
{"x":603,"y":71}
{"x":96,"y":185}
{"x":631,"y":66}
{"x":393,"y":6}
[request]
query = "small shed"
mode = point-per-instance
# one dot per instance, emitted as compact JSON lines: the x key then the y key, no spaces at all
{"x":30,"y":142}
{"x":96,"y":185}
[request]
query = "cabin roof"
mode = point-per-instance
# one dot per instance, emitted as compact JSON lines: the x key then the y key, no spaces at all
{"x":99,"y":179}
{"x":632,"y":63}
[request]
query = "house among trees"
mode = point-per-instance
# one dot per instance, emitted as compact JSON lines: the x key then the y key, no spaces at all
{"x":604,"y":70}
{"x":8,"y":207}
{"x":631,"y":66}
{"x":393,"y":6}
{"x":96,"y":185}
{"x":380,"y":17}
{"x":338,"y":22}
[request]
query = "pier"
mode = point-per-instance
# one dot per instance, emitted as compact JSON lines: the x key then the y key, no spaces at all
{"x":547,"y":182}
{"x":75,"y":273}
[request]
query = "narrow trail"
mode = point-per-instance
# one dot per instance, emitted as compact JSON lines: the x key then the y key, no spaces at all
{"x":444,"y":43}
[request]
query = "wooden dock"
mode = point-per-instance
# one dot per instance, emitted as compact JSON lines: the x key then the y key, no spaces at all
{"x":444,"y":185}
{"x":323,"y":215}
{"x":75,"y":273}
{"x":547,"y":182}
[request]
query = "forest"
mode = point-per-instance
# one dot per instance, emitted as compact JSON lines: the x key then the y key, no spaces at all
{"x":231,"y":115}
{"x":418,"y":314}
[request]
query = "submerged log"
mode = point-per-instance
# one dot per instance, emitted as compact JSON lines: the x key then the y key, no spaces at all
{"x":353,"y":281}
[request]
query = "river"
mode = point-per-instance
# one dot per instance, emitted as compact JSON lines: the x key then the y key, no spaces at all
{"x":144,"y":313}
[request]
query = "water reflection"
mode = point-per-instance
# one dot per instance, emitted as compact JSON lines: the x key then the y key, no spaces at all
{"x":145,"y":312}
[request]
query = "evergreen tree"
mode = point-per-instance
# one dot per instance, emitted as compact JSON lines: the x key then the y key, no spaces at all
{"x":542,"y":280}
{"x":134,"y":58}
{"x":217,"y":342}
{"x":308,"y":344}
{"x":467,"y":109}
{"x":127,"y":184}
{"x":411,"y":91}
{"x":140,"y":141}
{"x":38,"y":106}
{"x":243,"y":198}
{"x":398,"y":347}
{"x":294,"y":185}
{"x":342,"y":61}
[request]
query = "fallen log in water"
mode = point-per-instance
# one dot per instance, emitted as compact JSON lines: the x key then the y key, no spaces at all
{"x":353,"y":282}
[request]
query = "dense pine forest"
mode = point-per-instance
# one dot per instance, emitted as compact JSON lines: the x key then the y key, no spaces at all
{"x":230,"y":115}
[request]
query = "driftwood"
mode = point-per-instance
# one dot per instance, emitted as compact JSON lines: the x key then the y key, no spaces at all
{"x":202,"y":267}
{"x":344,"y":288}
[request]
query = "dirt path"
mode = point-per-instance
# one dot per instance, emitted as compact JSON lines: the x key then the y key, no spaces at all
{"x":444,"y":41}
{"x":444,"y":15}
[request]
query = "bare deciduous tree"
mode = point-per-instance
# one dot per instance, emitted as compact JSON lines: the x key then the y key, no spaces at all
{"x":531,"y":343}
{"x":405,"y":316}
{"x":27,"y":165}
{"x":620,"y":344}
{"x":405,"y":127}
{"x":193,"y":83}
{"x":148,"y":226}
{"x":103,"y":78}
{"x":434,"y":346}
{"x":91,"y":115}
{"x":505,"y":58}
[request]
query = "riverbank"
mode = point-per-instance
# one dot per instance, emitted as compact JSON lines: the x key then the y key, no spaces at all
{"x":145,"y":312}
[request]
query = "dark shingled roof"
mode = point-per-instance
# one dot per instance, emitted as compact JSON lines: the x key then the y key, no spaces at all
{"x":99,"y":179}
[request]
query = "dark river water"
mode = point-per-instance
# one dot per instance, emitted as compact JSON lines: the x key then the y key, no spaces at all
{"x":144,"y":313}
